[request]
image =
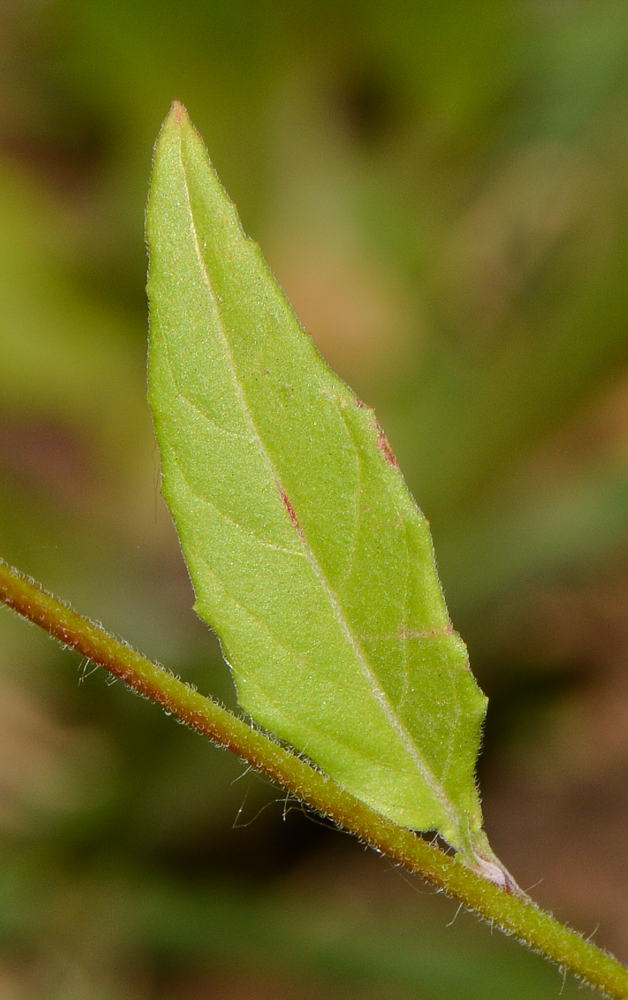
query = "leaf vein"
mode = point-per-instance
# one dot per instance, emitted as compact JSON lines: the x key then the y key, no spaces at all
{"x":232,"y":520}
{"x":186,"y":399}
{"x":256,"y":618}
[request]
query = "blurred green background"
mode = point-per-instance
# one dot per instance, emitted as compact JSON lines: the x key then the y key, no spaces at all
{"x":442,"y":189}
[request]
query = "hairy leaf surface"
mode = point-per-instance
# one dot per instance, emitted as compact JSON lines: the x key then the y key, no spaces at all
{"x":308,"y":555}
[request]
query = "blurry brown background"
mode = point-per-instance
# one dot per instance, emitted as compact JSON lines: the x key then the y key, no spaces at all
{"x":442,"y":189}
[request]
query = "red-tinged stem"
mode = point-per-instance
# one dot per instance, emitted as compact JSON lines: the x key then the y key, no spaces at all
{"x":513,"y":913}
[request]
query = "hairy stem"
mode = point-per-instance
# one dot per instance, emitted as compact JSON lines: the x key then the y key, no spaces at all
{"x":513,"y":913}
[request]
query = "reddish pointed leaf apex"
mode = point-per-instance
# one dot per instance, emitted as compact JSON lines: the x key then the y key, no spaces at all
{"x":178,"y":111}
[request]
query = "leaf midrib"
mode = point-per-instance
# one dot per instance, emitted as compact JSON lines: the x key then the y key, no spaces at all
{"x":379,"y":695}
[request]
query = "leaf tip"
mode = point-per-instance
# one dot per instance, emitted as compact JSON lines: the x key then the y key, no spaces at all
{"x":178,"y":112}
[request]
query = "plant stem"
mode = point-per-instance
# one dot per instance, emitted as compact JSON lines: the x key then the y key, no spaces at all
{"x":514,"y":914}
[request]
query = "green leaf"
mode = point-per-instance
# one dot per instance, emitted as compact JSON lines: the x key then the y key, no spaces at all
{"x":307,"y":553}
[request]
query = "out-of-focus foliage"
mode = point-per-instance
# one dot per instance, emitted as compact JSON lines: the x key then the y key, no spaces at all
{"x":442,"y":188}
